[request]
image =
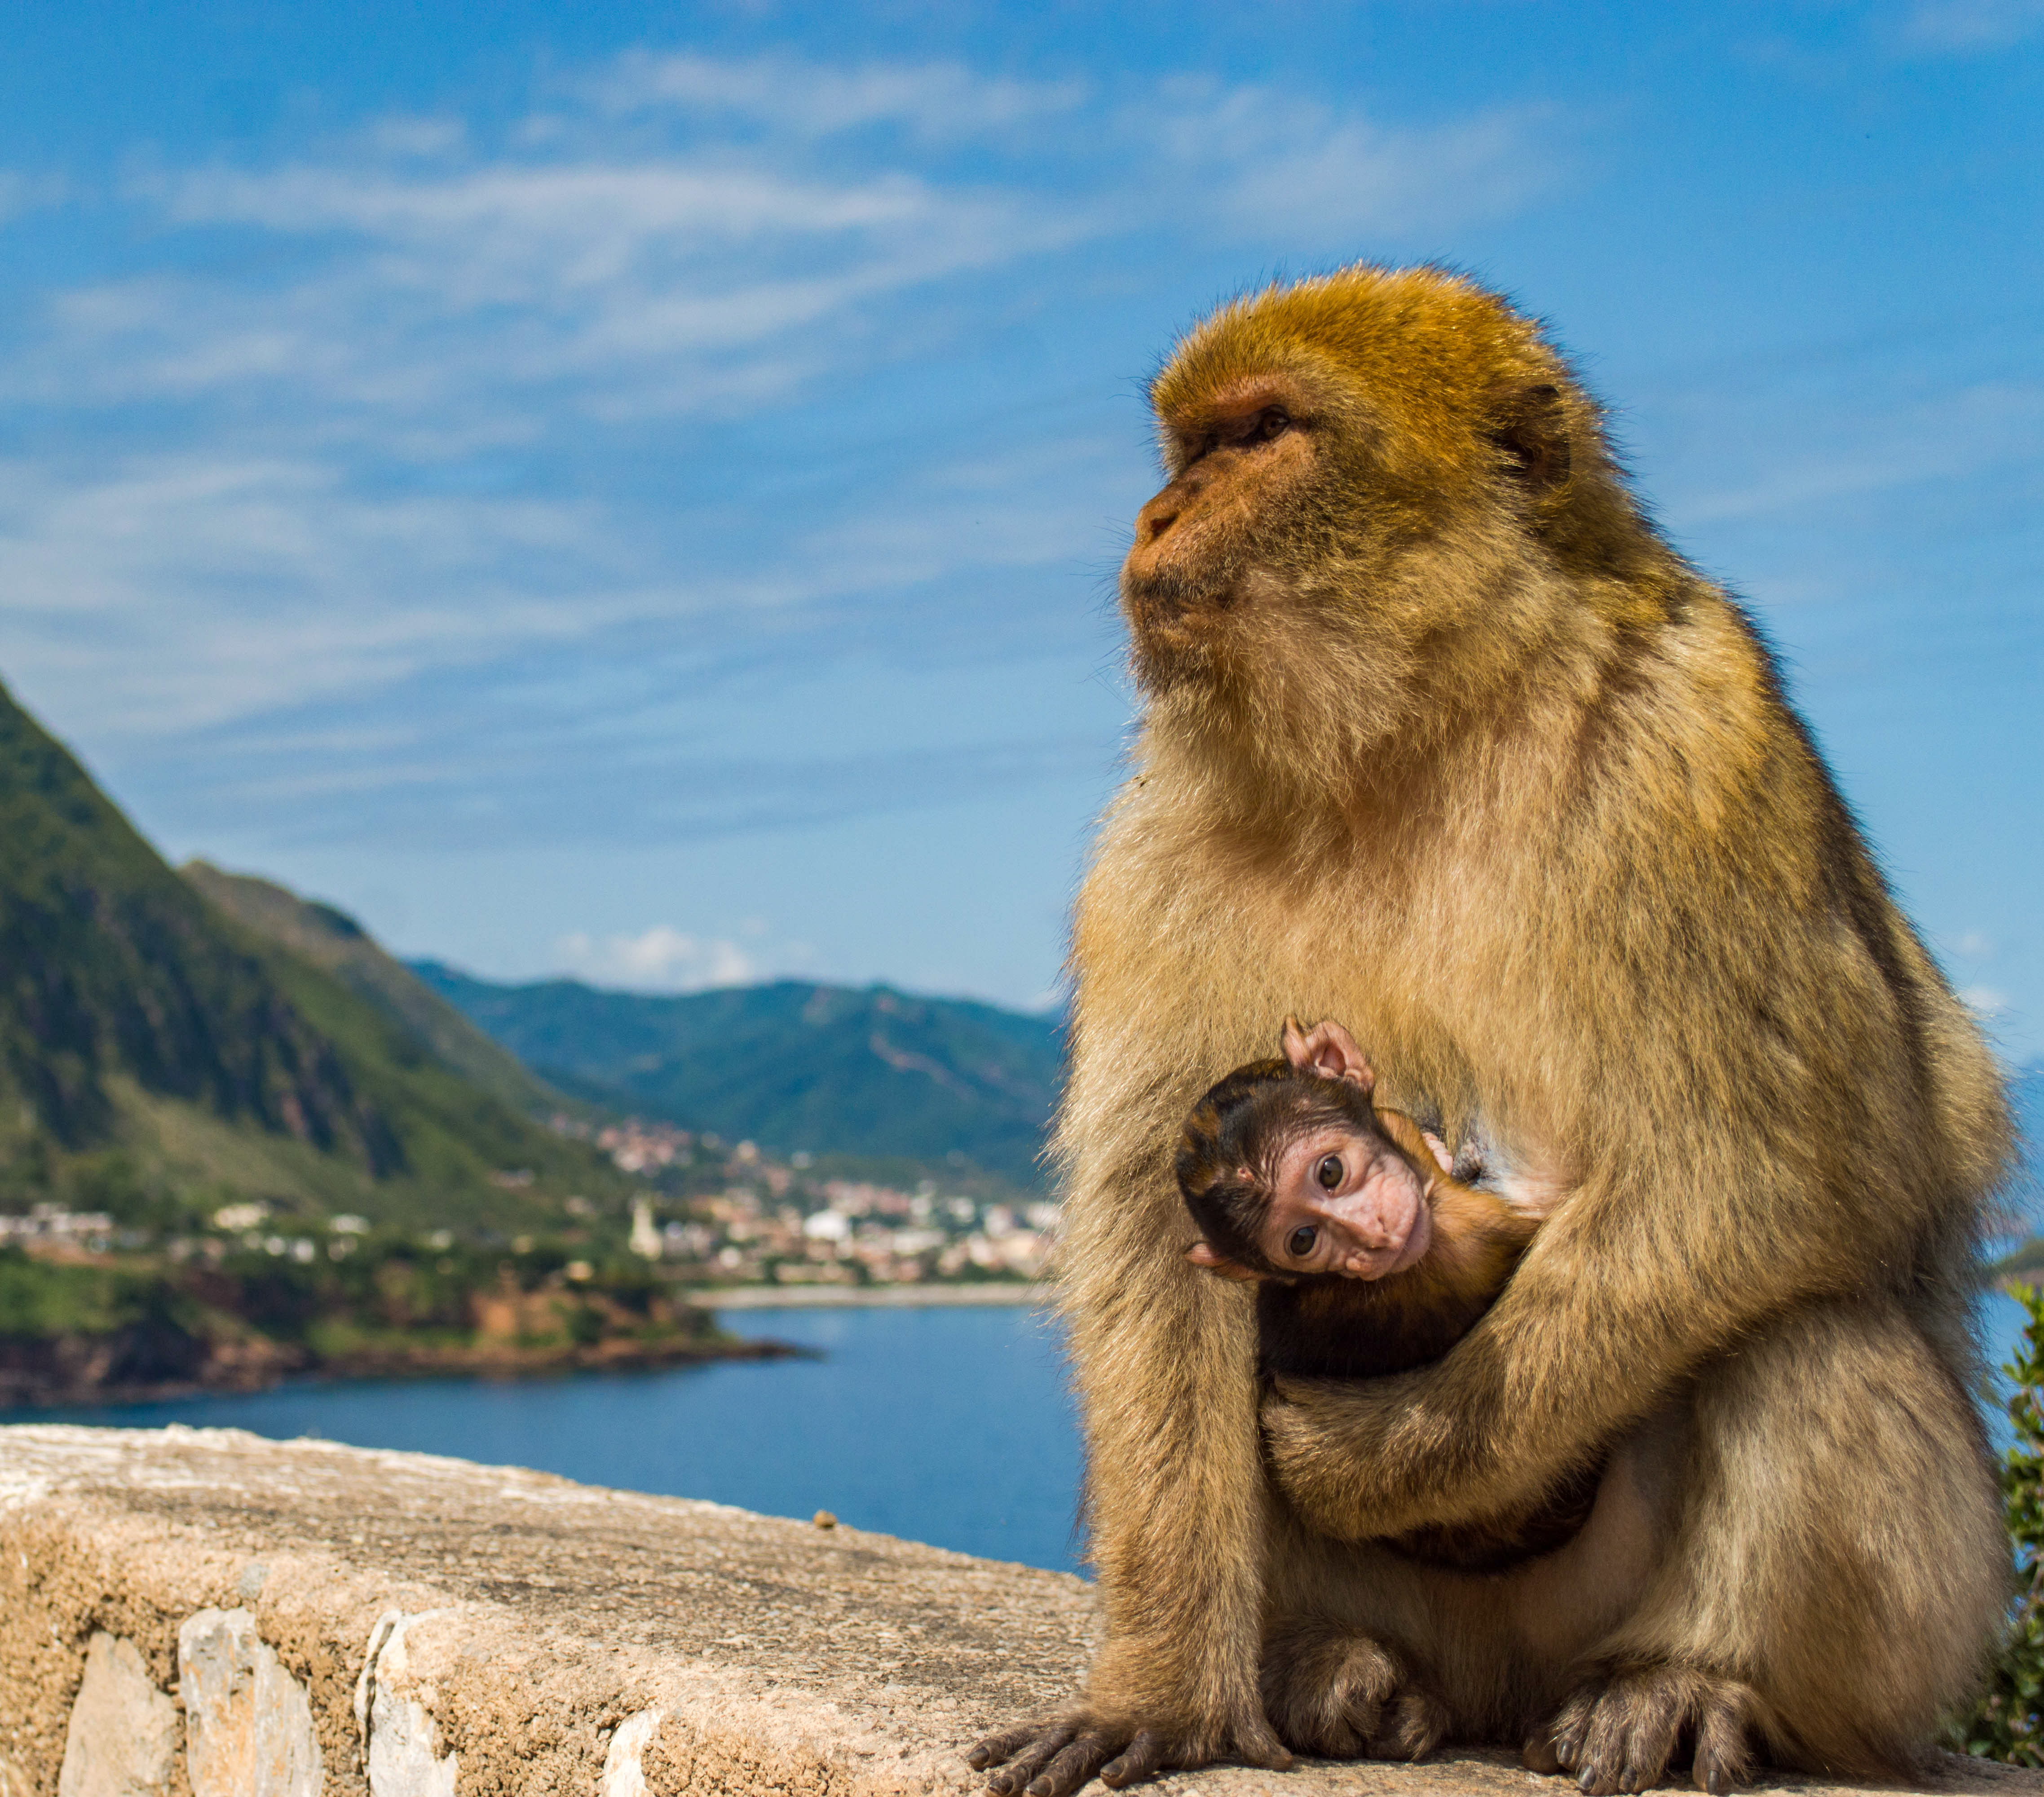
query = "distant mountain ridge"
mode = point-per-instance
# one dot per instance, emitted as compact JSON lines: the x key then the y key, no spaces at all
{"x":796,"y":1065}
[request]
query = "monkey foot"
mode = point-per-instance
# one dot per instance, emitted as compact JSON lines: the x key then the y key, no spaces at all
{"x":1053,"y":1759}
{"x":1331,"y":1692}
{"x":1624,"y":1731}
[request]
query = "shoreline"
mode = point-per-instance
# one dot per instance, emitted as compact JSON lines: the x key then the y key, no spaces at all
{"x":25,"y":1389}
{"x":21,"y":1396}
{"x":867,"y":1297}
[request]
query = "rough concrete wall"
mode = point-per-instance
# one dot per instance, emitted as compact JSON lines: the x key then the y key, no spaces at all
{"x":205,"y":1613}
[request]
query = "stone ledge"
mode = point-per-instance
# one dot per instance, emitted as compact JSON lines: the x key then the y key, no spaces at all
{"x":197,"y":1613}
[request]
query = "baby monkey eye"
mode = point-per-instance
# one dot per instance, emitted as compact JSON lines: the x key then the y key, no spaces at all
{"x":1329,"y":1172}
{"x":1300,"y":1243}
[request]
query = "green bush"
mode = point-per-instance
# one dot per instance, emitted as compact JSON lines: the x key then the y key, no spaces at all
{"x":2009,"y":1722}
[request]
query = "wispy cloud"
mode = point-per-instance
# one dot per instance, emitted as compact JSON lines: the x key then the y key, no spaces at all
{"x":934,"y":100}
{"x":1263,"y":162}
{"x":1962,"y":25}
{"x":428,"y":402}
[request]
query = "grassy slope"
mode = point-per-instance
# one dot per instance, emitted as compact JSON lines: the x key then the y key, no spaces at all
{"x":794,"y":1066}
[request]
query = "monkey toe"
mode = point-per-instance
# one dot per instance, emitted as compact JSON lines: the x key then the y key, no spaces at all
{"x":1325,"y":1689}
{"x":1412,"y":1726}
{"x":1622,"y":1735}
{"x":1073,"y":1766}
{"x":1331,"y":1692}
{"x":1724,"y":1740}
{"x":995,"y":1747}
{"x":1035,"y":1751}
{"x":1143,"y":1756}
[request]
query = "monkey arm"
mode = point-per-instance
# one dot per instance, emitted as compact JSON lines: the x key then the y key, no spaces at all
{"x":1527,"y":1397}
{"x":1176,"y":1496}
{"x":1726,"y":1181}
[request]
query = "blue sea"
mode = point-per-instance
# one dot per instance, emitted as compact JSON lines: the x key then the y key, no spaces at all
{"x":945,"y":1425}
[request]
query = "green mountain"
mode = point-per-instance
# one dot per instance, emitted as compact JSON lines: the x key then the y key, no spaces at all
{"x":869,"y":1072}
{"x":334,"y":942}
{"x":168,"y":1045}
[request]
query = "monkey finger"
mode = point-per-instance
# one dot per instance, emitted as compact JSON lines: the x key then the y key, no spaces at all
{"x":1724,"y":1751}
{"x":1072,"y":1766}
{"x":1031,"y":1759}
{"x":996,"y":1748}
{"x":1256,"y":1744}
{"x":1143,"y":1757}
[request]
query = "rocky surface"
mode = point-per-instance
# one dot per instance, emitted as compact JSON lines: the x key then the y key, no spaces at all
{"x":202,"y":1613}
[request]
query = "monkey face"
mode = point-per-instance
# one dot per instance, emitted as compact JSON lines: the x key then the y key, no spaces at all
{"x":1235,"y":460}
{"x":1344,"y":1201}
{"x":1356,"y":465}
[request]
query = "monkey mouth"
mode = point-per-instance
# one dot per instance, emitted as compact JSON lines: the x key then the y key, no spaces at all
{"x":1380,"y":1259}
{"x":1168,"y":611}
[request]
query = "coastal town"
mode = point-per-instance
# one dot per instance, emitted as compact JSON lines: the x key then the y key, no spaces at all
{"x":708,"y":1214}
{"x":734,"y":1214}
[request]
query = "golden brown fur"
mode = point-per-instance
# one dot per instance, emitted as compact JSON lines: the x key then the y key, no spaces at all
{"x":1443,"y":739}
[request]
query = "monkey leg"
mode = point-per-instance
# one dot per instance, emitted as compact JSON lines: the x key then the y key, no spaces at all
{"x":1329,"y":1691}
{"x":1836,"y":1574}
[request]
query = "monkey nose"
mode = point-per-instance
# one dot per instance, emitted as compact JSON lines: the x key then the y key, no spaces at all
{"x":1154,"y":520}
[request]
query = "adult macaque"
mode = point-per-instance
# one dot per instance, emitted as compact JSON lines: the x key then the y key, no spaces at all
{"x":1442,"y":738}
{"x":1372,"y":1257}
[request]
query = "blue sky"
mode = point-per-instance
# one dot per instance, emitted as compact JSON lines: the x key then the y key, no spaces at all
{"x":636,"y":490}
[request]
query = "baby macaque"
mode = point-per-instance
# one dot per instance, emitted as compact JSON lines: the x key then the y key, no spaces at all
{"x":1372,"y":1258}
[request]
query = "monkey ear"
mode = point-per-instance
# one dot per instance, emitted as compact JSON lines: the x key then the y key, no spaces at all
{"x":1530,"y":424}
{"x":1329,"y":1050}
{"x":1292,"y":1043}
{"x":1204,"y":1254}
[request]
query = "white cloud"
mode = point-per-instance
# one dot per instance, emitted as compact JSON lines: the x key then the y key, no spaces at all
{"x":183,"y":590}
{"x":25,"y":193}
{"x":1274,"y":163}
{"x":371,"y":445}
{"x":414,"y":273}
{"x":1972,"y":25}
{"x":1984,"y":1001}
{"x":663,"y":959}
{"x":937,"y":100}
{"x":1859,"y":448}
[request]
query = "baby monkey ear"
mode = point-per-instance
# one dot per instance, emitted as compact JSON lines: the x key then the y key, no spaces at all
{"x":1204,"y":1254}
{"x":1328,"y":1050}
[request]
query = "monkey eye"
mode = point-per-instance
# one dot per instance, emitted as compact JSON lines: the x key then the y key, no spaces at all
{"x":1299,"y":1244}
{"x":1258,"y":427}
{"x":1329,"y":1172}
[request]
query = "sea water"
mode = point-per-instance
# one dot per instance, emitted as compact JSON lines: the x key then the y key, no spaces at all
{"x":950,"y":1426}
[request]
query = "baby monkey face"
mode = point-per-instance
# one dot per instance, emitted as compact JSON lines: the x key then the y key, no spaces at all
{"x":1344,"y":1201}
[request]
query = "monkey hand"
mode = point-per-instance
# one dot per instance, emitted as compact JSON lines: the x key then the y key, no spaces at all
{"x":1054,"y":1757}
{"x":1359,"y":1459}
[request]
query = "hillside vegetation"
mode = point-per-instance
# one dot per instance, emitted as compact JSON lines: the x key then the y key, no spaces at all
{"x":236,"y":1139}
{"x":804,"y":1067}
{"x":160,"y":1057}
